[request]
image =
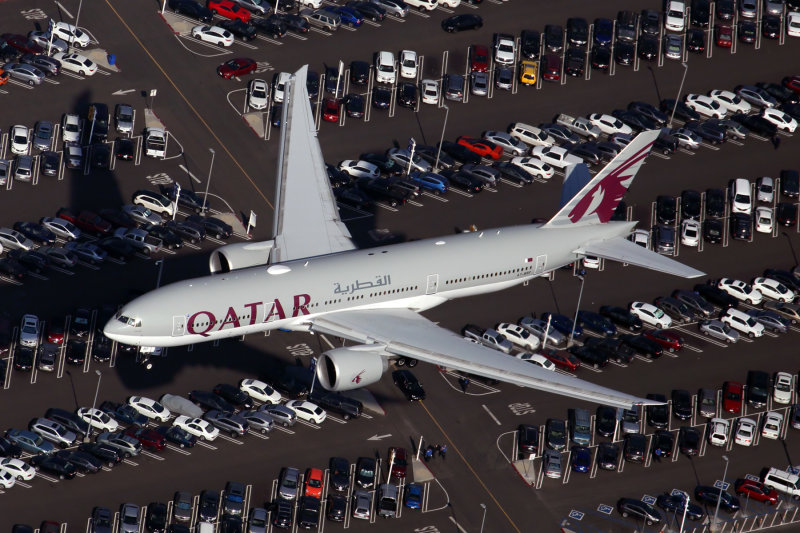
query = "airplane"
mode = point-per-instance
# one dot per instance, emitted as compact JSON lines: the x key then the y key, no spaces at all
{"x":311,"y":277}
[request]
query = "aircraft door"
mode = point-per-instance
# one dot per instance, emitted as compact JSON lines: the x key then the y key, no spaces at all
{"x":178,"y":325}
{"x":432,"y":286}
{"x":541,"y":263}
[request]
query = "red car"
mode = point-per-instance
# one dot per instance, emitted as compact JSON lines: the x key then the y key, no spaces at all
{"x":330,"y":110}
{"x":21,"y":43}
{"x":551,"y":67}
{"x":87,"y":221}
{"x":229,"y":10}
{"x":478,"y":58}
{"x":400,"y":464}
{"x":314,"y":483}
{"x":563,"y":360}
{"x":667,"y":339}
{"x":150,"y":438}
{"x":55,"y":331}
{"x":236,"y":67}
{"x":482,"y":147}
{"x":732,"y":396}
{"x":724,"y":35}
{"x":792,"y":82}
{"x":755,"y":490}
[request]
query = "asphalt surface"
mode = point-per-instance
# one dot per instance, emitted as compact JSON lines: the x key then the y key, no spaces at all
{"x":192,"y":101}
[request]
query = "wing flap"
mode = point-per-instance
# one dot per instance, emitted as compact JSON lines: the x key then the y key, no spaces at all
{"x":624,"y":251}
{"x":403,"y":332}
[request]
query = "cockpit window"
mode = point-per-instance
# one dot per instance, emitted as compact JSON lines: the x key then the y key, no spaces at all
{"x":134,"y":322}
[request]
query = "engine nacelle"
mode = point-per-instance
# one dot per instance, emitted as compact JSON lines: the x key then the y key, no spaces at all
{"x":351,"y":367}
{"x":240,"y":255}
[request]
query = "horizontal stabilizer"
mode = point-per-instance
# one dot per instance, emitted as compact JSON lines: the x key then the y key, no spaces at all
{"x":624,"y":251}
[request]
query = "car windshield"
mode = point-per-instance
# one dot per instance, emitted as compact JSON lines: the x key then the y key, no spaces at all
{"x":409,"y":62}
{"x":367,"y":472}
{"x":733,"y":396}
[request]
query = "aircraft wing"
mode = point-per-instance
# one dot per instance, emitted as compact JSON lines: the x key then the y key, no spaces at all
{"x":404,"y":332}
{"x":625,"y":251}
{"x":307,"y":222}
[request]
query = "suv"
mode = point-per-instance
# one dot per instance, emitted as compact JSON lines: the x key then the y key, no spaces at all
{"x":53,"y":431}
{"x":154,"y":201}
{"x":784,"y":482}
{"x":233,"y":498}
{"x":322,"y":18}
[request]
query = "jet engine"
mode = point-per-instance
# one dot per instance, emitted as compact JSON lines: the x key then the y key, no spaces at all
{"x":352,"y":367}
{"x":240,"y":255}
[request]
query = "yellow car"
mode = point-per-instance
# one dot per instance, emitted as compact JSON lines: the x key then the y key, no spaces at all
{"x":528,"y":71}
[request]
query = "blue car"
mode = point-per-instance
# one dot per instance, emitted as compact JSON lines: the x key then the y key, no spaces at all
{"x":603,"y":32}
{"x":348,"y":15}
{"x":597,"y":323}
{"x":414,"y":496}
{"x":581,"y":459}
{"x":29,"y":441}
{"x":124,"y":413}
{"x":563,"y":324}
{"x":429,"y":181}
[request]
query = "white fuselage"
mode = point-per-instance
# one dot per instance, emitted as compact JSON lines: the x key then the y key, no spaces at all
{"x":415,"y":275}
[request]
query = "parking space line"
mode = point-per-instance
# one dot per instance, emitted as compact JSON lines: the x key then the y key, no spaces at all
{"x":230,"y":439}
{"x":152,"y":455}
{"x":179,"y":450}
{"x":206,"y":445}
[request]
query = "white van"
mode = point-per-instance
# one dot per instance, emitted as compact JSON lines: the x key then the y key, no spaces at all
{"x":784,"y":482}
{"x":743,"y":323}
{"x":741,"y":199}
{"x":530,"y":135}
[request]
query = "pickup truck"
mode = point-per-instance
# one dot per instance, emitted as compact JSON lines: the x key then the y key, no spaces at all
{"x":140,"y":239}
{"x":155,"y":142}
{"x":579,"y":125}
{"x":487,"y":337}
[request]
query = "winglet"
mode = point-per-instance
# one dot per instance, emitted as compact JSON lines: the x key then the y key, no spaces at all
{"x":597,"y":200}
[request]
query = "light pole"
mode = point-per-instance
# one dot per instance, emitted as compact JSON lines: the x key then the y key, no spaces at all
{"x":441,"y":139}
{"x":208,"y":182}
{"x":575,"y":322}
{"x":719,"y":497}
{"x":678,"y":97}
{"x":685,"y":509}
{"x":94,"y":402}
{"x":483,"y":521}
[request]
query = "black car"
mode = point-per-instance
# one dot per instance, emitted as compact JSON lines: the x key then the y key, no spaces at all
{"x":712,"y":231}
{"x":209,"y":400}
{"x":647,"y":347}
{"x":106,"y":453}
{"x":747,"y":31}
{"x":9,"y":449}
{"x":612,"y":349}
{"x":706,"y":131}
{"x":607,"y":455}
{"x":596,"y":322}
{"x":648,"y":47}
{"x":187,"y":198}
{"x":690,"y":204}
{"x":757,"y":124}
{"x":662,"y":441}
{"x":117,"y":248}
{"x":463,"y":181}
{"x":368,"y":10}
{"x":689,"y":440}
{"x":784,"y":276}
{"x":156,"y":517}
{"x":365,"y":472}
{"x":359,"y":72}
{"x":354,"y":105}
{"x":530,"y":43}
{"x":665,"y":209}
{"x":381,"y":190}
{"x":312,"y":86}
{"x":82,"y":461}
{"x":553,"y":38}
{"x":386,"y":164}
{"x":779,"y":92}
{"x":339,"y":469}
{"x":635,"y":447}
{"x":682,"y":111}
{"x":588,"y":152}
{"x":649,"y":22}
{"x":695,"y":301}
{"x":771,"y":26}
{"x":790,"y":183}
{"x":381,"y":97}
{"x":124,"y":149}
{"x":460,"y":153}
{"x":332,"y":84}
{"x":681,"y":404}
{"x":353,"y":197}
{"x":700,"y":13}
{"x":407,"y":382}
{"x":169,"y":239}
{"x":712,"y":495}
{"x":634,"y":119}
{"x":623,"y":52}
{"x":76,"y":351}
{"x":606,"y":420}
{"x":657,"y":414}
{"x":696,"y":41}
{"x":676,"y":503}
{"x":640,"y":510}
{"x":308,"y":513}
{"x":512,"y":172}
{"x":295,"y":23}
{"x":209,"y":506}
{"x":577,"y":31}
{"x":589,"y":355}
{"x":339,"y":403}
{"x":118,"y":218}
{"x":55,"y":465}
{"x":282,"y":513}
{"x":462,"y":22}
{"x":407,"y":95}
{"x":650,"y":111}
{"x":100,"y":155}
{"x":188,"y":231}
{"x":574,"y":62}
{"x":725,"y":9}
{"x":192,"y":9}
{"x":49,"y":163}
{"x":177,"y":435}
{"x":621,"y":317}
{"x":675,"y":308}
{"x":336,"y":177}
{"x":601,"y":57}
{"x":787,"y":214}
{"x":741,"y":226}
{"x":273,"y":26}
{"x":715,"y":203}
{"x":527,"y":441}
{"x":212,"y":225}
{"x":101,"y":348}
{"x":12,"y":268}
{"x":124,"y":413}
{"x":336,"y":508}
{"x":564,"y":136}
{"x":758,"y":388}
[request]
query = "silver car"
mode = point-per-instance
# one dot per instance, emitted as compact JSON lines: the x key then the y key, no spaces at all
{"x":258,"y":421}
{"x":59,"y":256}
{"x":43,"y":135}
{"x":258,"y":520}
{"x":402,"y":157}
{"x":480,"y":84}
{"x":43,"y":39}
{"x":23,"y":168}
{"x":256,"y":7}
{"x":718,"y":330}
{"x":234,"y":424}
{"x":552,"y":464}
{"x":125,"y":445}
{"x":53,"y":431}
{"x":14,"y":240}
{"x":64,"y":229}
{"x":129,"y":518}
{"x":25,"y":73}
{"x":48,"y":65}
{"x":288,"y":483}
{"x":393,"y":7}
{"x":487,"y":175}
{"x":123,"y":117}
{"x":5,"y":171}
{"x":537,"y":327}
{"x":87,"y":251}
{"x":280,"y":414}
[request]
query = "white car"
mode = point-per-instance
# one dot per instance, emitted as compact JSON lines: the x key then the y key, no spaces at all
{"x":741,"y":290}
{"x":538,"y":360}
{"x":609,"y":124}
{"x":745,"y":431}
{"x":509,"y":144}
{"x":687,"y":138}
{"x":782,"y":390}
{"x":409,"y":64}
{"x":742,"y":322}
{"x":97,"y":419}
{"x":773,"y":289}
{"x":202,"y":429}
{"x":213,"y":35}
{"x":384,"y":68}
{"x":359,"y":169}
{"x":765,"y":219}
{"x":305,"y":410}
{"x":258,"y":390}
{"x":64,"y":229}
{"x":650,"y":314}
{"x":690,"y":233}
{"x":783,"y":121}
{"x":19,"y":138}
{"x":142,"y":214}
{"x":149,"y":408}
{"x":705,"y":106}
{"x":793,"y":24}
{"x":773,"y":422}
{"x":258,"y":94}
{"x":71,"y":128}
{"x":674,"y":16}
{"x":518,"y":335}
{"x":29,"y":331}
{"x":504,"y":51}
{"x":730,"y":101}
{"x":556,"y":156}
{"x":430,"y":92}
{"x":279,"y":86}
{"x":765,"y":189}
{"x":71,"y":34}
{"x":6,"y":479}
{"x":21,"y":470}
{"x":718,"y":431}
{"x":76,"y":63}
{"x":535,"y":167}
{"x":640,"y":237}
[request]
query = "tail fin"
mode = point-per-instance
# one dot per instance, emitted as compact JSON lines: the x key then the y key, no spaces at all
{"x":597,"y":200}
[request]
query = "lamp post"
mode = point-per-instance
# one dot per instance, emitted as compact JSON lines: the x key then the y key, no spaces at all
{"x":678,"y":97}
{"x":441,"y":139}
{"x":208,"y":182}
{"x":719,"y":497}
{"x":575,"y":322}
{"x":483,"y":520}
{"x":94,"y":402}
{"x":685,"y":509}
{"x":77,"y":20}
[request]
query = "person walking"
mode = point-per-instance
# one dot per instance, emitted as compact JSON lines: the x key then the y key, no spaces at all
{"x":776,"y":141}
{"x":429,"y":453}
{"x":464,"y":382}
{"x":657,"y":454}
{"x":443,"y":451}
